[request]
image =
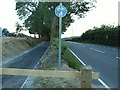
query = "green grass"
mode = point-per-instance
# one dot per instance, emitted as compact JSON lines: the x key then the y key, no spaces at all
{"x":54,"y":42}
{"x":67,"y":55}
{"x":70,"y":58}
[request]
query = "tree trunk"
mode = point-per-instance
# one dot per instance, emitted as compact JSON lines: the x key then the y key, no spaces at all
{"x":54,"y":31}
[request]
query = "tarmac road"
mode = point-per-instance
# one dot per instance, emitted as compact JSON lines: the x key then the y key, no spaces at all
{"x":28,"y":60}
{"x":104,"y":59}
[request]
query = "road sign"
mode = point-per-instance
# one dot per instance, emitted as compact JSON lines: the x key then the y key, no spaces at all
{"x":60,"y":11}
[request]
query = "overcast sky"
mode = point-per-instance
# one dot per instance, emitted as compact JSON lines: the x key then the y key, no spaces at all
{"x":106,"y":12}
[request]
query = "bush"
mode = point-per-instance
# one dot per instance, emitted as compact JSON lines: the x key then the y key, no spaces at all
{"x":106,"y":35}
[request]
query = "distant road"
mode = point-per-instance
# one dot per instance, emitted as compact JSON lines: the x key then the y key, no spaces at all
{"x":29,"y":60}
{"x":104,"y":59}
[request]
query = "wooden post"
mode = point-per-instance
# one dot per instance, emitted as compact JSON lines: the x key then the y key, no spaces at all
{"x":86,"y":77}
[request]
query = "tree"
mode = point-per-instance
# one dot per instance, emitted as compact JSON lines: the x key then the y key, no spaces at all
{"x":18,"y":28}
{"x":40,"y":17}
{"x":108,"y":35}
{"x":5,"y":30}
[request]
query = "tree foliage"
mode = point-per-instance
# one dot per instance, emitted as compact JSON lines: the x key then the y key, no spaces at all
{"x":18,"y":27}
{"x":5,"y":30}
{"x":108,"y":35}
{"x":40,"y":18}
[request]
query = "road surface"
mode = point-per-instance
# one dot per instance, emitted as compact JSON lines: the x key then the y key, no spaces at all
{"x":28,"y":60}
{"x":104,"y":59}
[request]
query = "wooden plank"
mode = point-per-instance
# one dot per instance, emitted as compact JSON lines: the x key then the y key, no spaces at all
{"x":44,"y":73}
{"x":95,"y":75}
{"x":86,"y":77}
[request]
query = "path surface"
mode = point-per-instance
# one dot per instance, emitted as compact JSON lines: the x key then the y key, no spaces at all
{"x":104,"y":59}
{"x":28,"y":60}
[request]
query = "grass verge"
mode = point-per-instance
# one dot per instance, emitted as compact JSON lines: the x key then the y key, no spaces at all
{"x":67,"y":55}
{"x":70,"y":59}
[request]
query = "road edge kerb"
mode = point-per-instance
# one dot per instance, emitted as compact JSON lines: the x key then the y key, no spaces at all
{"x":39,"y":62}
{"x":100,"y":80}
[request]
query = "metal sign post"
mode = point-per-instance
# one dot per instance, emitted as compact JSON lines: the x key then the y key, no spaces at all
{"x":60,"y":11}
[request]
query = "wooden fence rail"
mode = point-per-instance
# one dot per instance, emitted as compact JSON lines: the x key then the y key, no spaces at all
{"x":86,"y":75}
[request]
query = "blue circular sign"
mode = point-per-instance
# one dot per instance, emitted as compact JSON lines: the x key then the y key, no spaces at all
{"x":60,"y":11}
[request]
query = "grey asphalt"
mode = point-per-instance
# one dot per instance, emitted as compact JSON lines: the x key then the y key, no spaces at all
{"x":26,"y":61}
{"x":104,"y":59}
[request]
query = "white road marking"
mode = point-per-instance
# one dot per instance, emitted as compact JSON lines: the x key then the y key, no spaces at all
{"x":118,"y":57}
{"x":103,"y":83}
{"x":100,"y":80}
{"x":77,"y":58}
{"x":25,"y":82}
{"x":98,"y":50}
{"x":29,"y":76}
{"x":33,"y":69}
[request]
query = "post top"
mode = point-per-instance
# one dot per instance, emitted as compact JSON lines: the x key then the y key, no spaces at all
{"x":86,"y":67}
{"x":60,"y":3}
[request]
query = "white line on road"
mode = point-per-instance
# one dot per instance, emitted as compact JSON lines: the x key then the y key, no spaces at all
{"x":34,"y":69}
{"x":98,"y":50}
{"x":29,"y":76}
{"x":25,"y":82}
{"x":103,"y":83}
{"x":118,"y":57}
{"x":78,"y":58}
{"x":100,"y":80}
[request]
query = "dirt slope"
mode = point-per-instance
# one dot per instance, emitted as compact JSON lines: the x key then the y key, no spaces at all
{"x":12,"y":46}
